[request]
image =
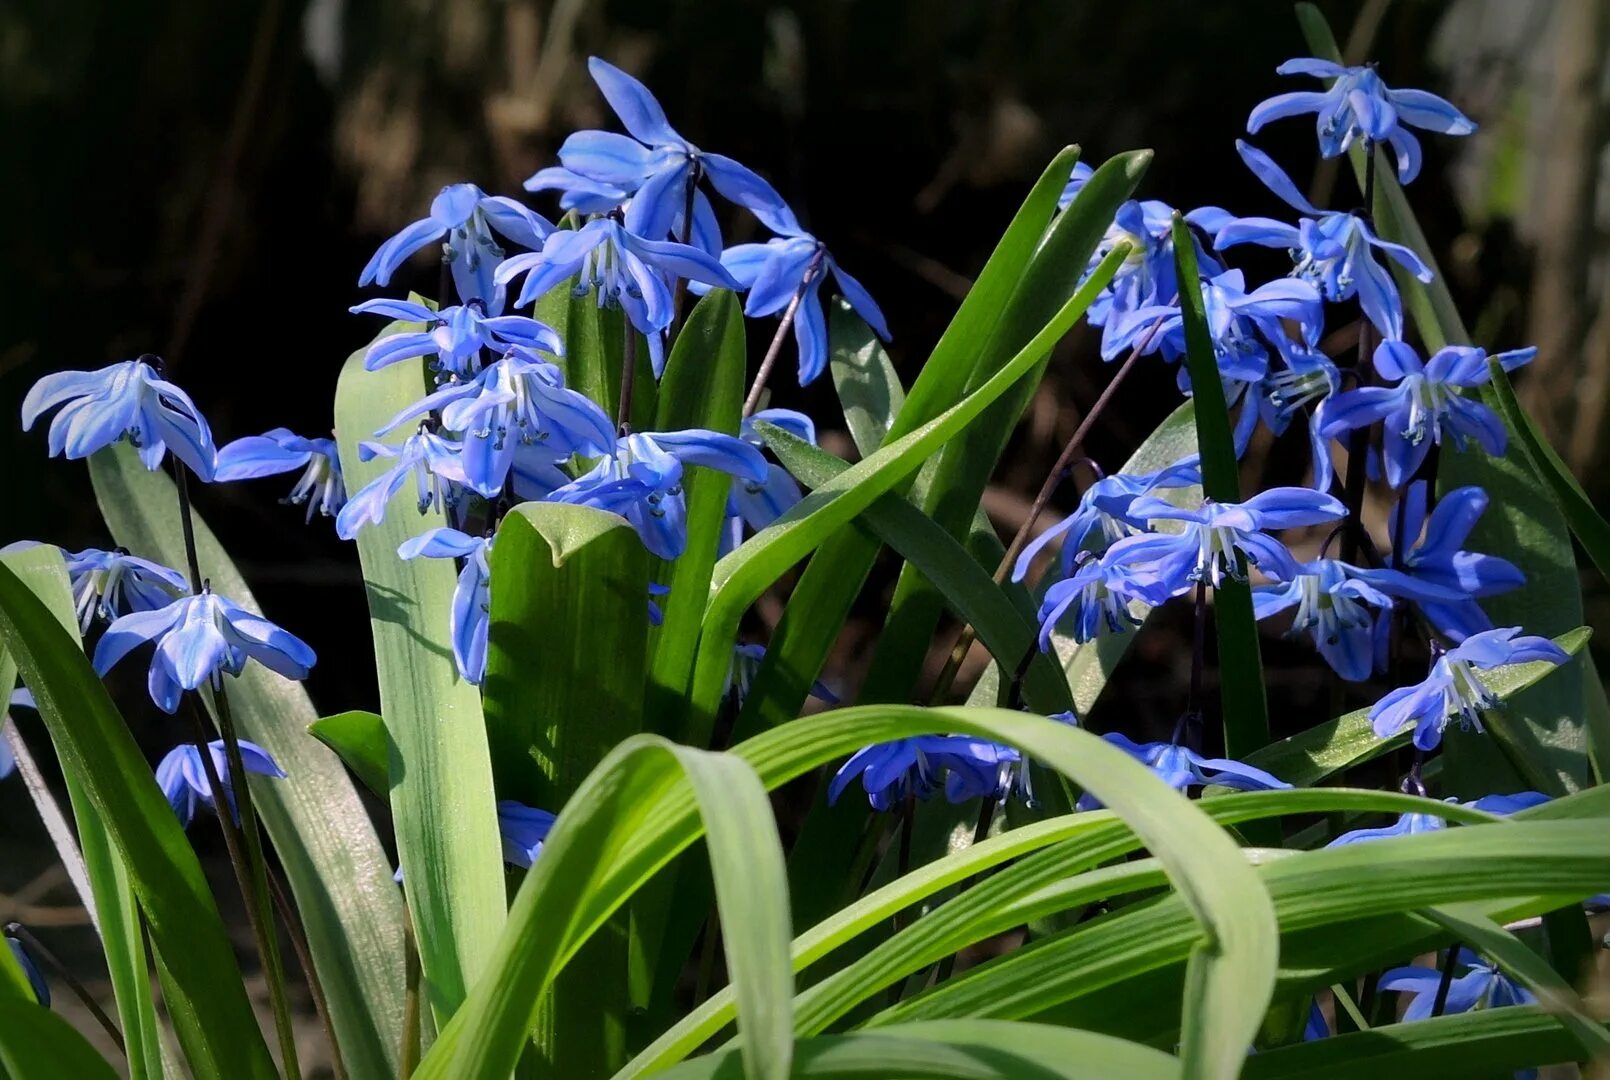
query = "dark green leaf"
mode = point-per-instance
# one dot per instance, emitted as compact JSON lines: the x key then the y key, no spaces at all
{"x":35,"y":1042}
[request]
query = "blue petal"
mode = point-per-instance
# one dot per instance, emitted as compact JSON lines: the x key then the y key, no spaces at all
{"x":740,"y":185}
{"x":714,"y":450}
{"x":256,"y":456}
{"x":1281,"y":106}
{"x":861,"y":301}
{"x":1430,"y":112}
{"x":395,"y":251}
{"x":1274,"y":178}
{"x":638,"y":110}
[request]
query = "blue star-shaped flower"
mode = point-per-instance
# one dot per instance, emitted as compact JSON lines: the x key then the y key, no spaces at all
{"x":183,"y":778}
{"x":1182,"y":768}
{"x":281,"y":451}
{"x":456,"y":336}
{"x":436,"y":464}
{"x":1452,"y":687}
{"x":889,"y":771}
{"x":123,"y":401}
{"x":1482,"y":986}
{"x":1438,"y":558}
{"x":1099,"y":595}
{"x":757,"y":505}
{"x":1358,"y":105}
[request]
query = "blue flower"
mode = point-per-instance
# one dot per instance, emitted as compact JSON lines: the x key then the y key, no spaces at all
{"x":757,"y":505}
{"x":127,"y":400}
{"x":1239,"y":322}
{"x":1358,"y":105}
{"x":1147,"y":275}
{"x":1103,"y":514}
{"x":466,"y":216}
{"x":1452,"y":687}
{"x":1425,"y":404}
{"x":1316,"y":1027}
{"x":472,"y":597}
{"x":1309,"y":377}
{"x":36,"y":978}
{"x":583,"y":194}
{"x":1076,"y":181}
{"x":1482,"y":986}
{"x":515,"y":404}
{"x":974,"y":779}
{"x":746,"y":661}
{"x":1438,"y":558}
{"x":281,"y":451}
{"x":654,"y":163}
{"x":436,"y":464}
{"x":627,"y":270}
{"x":523,"y":829}
{"x":1410,"y":824}
{"x":455,"y":337}
{"x":1182,"y":768}
{"x":113,"y":583}
{"x":198,"y":640}
{"x":792,"y":264}
{"x":183,"y":777}
{"x":642,"y":481}
{"x":1215,"y":533}
{"x":1333,"y":602}
{"x":889,"y":771}
{"x":1101,"y":596}
{"x":1331,"y":250}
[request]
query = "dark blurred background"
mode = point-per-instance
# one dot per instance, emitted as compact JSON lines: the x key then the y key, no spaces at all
{"x":205,"y":181}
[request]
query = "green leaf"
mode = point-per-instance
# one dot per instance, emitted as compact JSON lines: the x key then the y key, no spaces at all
{"x":1485,"y":1042}
{"x":566,"y":655}
{"x":337,"y":870}
{"x":35,"y":1042}
{"x":950,"y":490}
{"x":638,"y":826}
{"x":91,"y":861}
{"x":557,"y":910}
{"x":1523,"y":523}
{"x":359,"y":739}
{"x":1244,"y":710}
{"x":200,"y":979}
{"x":441,"y":796}
{"x":703,"y":387}
{"x":957,"y":1050}
{"x":869,"y":390}
{"x":968,"y":587}
{"x":1310,"y":756}
{"x":577,"y":321}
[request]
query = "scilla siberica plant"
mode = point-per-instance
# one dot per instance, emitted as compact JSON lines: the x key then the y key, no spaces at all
{"x":567,"y":499}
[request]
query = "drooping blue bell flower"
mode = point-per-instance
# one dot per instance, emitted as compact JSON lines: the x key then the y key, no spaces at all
{"x":124,"y":401}
{"x":1438,"y":558}
{"x":1425,"y":405}
{"x":183,"y":777}
{"x":1182,"y":768}
{"x":973,"y":779}
{"x":642,"y":481}
{"x":282,"y":451}
{"x":1146,"y":277}
{"x":1412,"y":823}
{"x":916,"y":766}
{"x":199,"y":639}
{"x":1216,"y":533}
{"x":1358,"y":105}
{"x":1099,"y":596}
{"x":455,"y":336}
{"x":113,"y":583}
{"x":1482,"y":986}
{"x":437,"y":465}
{"x":465,"y":217}
{"x":746,"y":660}
{"x":1333,"y":251}
{"x":470,"y":617}
{"x":757,"y":505}
{"x":1452,"y":687}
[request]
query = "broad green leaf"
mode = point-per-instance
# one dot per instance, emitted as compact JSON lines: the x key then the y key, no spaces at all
{"x":950,"y":490}
{"x":566,"y":656}
{"x":1485,"y":1042}
{"x":35,"y":1042}
{"x":821,"y":600}
{"x":966,"y":585}
{"x":649,"y":822}
{"x":1049,"y":851}
{"x":201,"y":981}
{"x":1325,"y":749}
{"x":1523,"y":523}
{"x":91,"y":862}
{"x":703,"y":387}
{"x":441,"y":792}
{"x":359,"y":739}
{"x":1245,"y":712}
{"x":577,"y":321}
{"x":957,"y":1050}
{"x":337,"y":871}
{"x":557,"y":910}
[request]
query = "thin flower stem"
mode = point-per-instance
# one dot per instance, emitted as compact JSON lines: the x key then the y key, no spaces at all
{"x":321,"y":1004}
{"x":36,"y":948}
{"x":1446,"y":982}
{"x":752,"y":402}
{"x":679,"y":294}
{"x":1358,"y":443}
{"x":623,"y":410}
{"x":1063,"y":465}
